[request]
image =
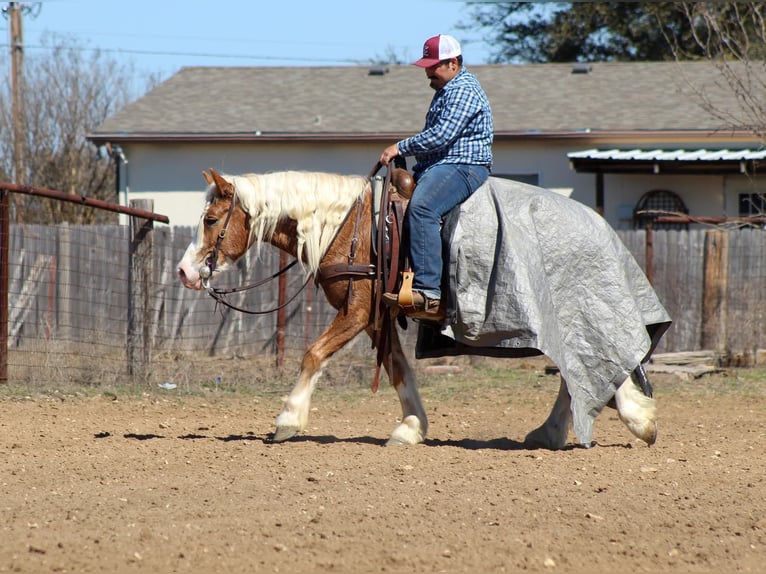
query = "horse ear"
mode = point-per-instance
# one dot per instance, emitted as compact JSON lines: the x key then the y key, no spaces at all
{"x":208,"y":177}
{"x":224,"y":187}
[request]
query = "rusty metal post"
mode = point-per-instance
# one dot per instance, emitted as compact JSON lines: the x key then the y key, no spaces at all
{"x":649,"y":253}
{"x":5,"y":235}
{"x":600,"y":194}
{"x":282,"y":312}
{"x":308,"y":317}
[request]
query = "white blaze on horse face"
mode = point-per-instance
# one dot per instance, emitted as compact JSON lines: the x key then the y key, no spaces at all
{"x":195,"y":258}
{"x":188,"y":269}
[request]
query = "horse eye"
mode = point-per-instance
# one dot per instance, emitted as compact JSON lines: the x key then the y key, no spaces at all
{"x":210,"y":221}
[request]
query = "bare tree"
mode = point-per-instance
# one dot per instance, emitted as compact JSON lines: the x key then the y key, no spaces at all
{"x":66,"y":94}
{"x":389,"y":57}
{"x":732,"y":36}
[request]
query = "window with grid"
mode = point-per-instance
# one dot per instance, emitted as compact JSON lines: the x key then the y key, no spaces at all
{"x":656,"y":203}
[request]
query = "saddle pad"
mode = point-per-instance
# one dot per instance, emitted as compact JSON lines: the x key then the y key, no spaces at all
{"x":531,"y":271}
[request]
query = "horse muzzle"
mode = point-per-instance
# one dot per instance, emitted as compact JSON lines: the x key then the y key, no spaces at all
{"x":190,"y":278}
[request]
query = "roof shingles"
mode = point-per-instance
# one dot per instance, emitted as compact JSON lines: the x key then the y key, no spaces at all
{"x":656,"y":96}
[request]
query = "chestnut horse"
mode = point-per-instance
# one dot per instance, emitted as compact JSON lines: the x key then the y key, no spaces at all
{"x":311,"y":217}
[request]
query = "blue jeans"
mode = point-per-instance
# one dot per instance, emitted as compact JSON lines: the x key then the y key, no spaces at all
{"x":439,"y":189}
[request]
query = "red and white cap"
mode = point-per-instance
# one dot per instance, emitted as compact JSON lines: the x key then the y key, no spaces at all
{"x":438,"y":48}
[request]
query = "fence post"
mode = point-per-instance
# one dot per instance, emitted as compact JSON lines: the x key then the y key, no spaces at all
{"x":139,"y":283}
{"x":649,"y":254}
{"x":65,"y":301}
{"x":281,"y":312}
{"x":714,"y":287}
{"x":5,"y":235}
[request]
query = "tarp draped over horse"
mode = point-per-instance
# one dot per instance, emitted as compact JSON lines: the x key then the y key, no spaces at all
{"x":530,"y":272}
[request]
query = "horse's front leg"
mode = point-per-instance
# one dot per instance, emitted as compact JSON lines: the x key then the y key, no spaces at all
{"x":552,"y":434}
{"x":295,"y":414}
{"x":414,"y":425}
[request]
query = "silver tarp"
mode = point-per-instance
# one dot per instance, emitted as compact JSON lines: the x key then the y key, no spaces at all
{"x":532,"y":271}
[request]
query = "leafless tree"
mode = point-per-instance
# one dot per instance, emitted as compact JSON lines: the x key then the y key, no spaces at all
{"x":67,"y":91}
{"x":389,"y":57}
{"x":732,"y":36}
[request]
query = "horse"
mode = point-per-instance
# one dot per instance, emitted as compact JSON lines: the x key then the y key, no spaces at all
{"x":316,"y":217}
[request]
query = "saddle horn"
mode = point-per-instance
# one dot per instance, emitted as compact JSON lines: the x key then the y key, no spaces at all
{"x":403,"y":181}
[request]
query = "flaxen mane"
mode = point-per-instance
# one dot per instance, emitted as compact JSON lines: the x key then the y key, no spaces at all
{"x":318,"y":202}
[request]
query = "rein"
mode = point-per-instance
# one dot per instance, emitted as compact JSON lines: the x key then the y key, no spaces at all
{"x":220,"y":294}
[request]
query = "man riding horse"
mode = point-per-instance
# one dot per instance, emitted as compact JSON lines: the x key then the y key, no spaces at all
{"x":454,"y":158}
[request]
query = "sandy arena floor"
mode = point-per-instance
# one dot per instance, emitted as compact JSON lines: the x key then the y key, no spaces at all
{"x":163,"y":482}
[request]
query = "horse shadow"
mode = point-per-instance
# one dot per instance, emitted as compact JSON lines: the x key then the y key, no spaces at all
{"x":500,"y":444}
{"x":304,"y":438}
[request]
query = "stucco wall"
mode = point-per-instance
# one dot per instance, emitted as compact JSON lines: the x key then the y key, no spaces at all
{"x":171,"y":175}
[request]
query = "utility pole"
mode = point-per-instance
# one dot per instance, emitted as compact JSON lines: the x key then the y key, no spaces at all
{"x":17,"y":100}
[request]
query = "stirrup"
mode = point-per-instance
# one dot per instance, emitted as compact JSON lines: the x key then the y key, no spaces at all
{"x":419,"y":306}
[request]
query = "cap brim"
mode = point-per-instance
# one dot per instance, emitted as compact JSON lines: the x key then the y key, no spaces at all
{"x":426,"y":62}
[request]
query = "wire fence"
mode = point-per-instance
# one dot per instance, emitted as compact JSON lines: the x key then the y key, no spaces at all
{"x":69,"y":294}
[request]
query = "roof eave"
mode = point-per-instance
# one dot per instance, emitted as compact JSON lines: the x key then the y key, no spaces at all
{"x":237,"y":137}
{"x":656,"y":167}
{"x":502,"y":135}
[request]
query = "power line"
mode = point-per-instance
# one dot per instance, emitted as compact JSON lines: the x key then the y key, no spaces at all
{"x":159,"y":53}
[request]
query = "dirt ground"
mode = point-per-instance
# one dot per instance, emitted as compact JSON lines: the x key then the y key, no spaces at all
{"x":189,"y":482}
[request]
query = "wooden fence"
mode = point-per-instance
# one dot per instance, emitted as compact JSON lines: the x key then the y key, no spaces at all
{"x":69,"y":298}
{"x":713,"y":284}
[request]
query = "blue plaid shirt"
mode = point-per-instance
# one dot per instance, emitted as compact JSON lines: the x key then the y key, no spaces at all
{"x":458,"y":127}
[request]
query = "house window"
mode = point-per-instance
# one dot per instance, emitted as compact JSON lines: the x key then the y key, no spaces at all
{"x":530,"y":178}
{"x":752,"y":204}
{"x":656,"y":203}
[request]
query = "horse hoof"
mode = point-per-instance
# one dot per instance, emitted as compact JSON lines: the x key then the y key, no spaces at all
{"x":637,"y":411}
{"x":533,"y":442}
{"x":395,"y":442}
{"x":284,"y":433}
{"x":646,"y":432}
{"x":542,"y":438}
{"x":408,"y":432}
{"x":651,"y":436}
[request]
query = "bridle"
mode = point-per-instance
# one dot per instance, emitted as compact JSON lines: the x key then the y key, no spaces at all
{"x":206,"y":272}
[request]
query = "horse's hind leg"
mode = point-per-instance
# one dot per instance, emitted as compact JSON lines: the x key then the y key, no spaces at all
{"x":295,"y":414}
{"x":552,"y":434}
{"x":414,"y":425}
{"x":637,"y":411}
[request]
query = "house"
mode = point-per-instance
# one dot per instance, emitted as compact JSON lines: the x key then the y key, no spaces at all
{"x":615,"y":136}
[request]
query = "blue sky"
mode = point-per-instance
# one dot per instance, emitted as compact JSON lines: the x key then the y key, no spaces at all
{"x":161,"y":36}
